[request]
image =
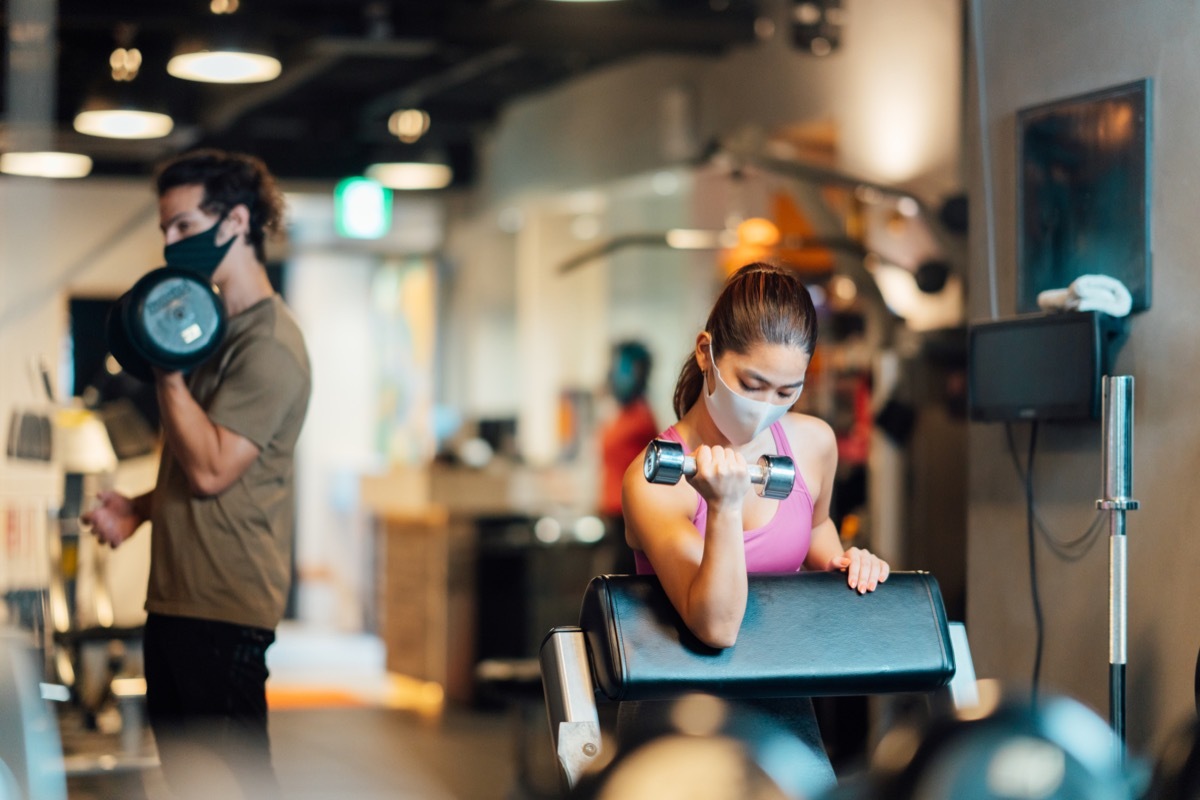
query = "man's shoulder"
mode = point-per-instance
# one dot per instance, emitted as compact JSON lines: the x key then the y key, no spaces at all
{"x":273,"y":334}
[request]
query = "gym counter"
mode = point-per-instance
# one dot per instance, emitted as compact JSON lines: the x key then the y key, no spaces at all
{"x":475,"y":564}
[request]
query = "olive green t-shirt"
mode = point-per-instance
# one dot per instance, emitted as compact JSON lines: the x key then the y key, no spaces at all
{"x":228,"y":557}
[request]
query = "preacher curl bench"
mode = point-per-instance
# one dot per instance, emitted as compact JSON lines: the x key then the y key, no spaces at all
{"x":803,"y":635}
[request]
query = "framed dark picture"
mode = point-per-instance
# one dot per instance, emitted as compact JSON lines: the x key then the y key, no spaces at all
{"x":1083,"y":192}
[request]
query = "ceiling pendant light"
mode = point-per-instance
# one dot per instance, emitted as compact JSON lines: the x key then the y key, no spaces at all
{"x":45,"y":164}
{"x":115,"y":112}
{"x":227,"y":59}
{"x":123,"y":123}
{"x":413,"y":173}
{"x":116,"y":119}
{"x":408,"y":124}
{"x":410,"y":175}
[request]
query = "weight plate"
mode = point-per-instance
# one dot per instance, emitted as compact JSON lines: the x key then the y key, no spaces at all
{"x":179,"y":316}
{"x":663,"y":462}
{"x":119,"y":345}
{"x":650,"y":464}
{"x":175,"y":318}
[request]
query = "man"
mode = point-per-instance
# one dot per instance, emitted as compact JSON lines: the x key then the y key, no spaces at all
{"x":221,"y":510}
{"x":621,"y":439}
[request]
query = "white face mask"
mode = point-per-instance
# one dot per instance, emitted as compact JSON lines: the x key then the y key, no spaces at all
{"x":739,"y":417}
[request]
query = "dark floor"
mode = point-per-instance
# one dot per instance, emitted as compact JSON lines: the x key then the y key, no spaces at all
{"x":369,"y":753}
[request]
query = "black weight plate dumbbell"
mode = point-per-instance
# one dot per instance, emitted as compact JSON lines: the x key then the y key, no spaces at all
{"x":119,"y":345}
{"x":666,"y":463}
{"x":1058,"y":749}
{"x":171,"y":318}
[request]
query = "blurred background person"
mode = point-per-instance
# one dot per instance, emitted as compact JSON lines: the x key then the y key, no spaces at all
{"x":622,"y":438}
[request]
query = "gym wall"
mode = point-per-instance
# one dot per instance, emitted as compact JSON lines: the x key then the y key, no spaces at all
{"x":1112,"y":43}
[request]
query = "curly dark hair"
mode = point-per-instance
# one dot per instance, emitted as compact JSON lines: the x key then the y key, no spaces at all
{"x":229,"y":179}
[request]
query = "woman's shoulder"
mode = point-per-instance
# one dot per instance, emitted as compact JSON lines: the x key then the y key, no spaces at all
{"x":809,"y":433}
{"x":647,"y":504}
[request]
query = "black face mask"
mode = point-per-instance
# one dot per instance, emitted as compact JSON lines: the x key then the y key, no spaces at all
{"x":199,"y":253}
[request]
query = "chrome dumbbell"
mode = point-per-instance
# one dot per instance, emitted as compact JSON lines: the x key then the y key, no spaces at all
{"x":665,"y":462}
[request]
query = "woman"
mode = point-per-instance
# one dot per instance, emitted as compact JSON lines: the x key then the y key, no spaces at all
{"x":703,"y":537}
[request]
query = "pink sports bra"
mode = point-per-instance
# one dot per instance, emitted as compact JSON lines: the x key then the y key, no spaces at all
{"x":778,"y":546}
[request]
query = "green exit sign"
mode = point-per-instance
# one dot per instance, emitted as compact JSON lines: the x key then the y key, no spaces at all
{"x":362,"y":208}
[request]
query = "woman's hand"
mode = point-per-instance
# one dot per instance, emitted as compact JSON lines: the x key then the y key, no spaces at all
{"x":864,"y":570}
{"x":722,"y":477}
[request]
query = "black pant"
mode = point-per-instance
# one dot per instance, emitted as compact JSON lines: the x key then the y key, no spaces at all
{"x":207,"y":704}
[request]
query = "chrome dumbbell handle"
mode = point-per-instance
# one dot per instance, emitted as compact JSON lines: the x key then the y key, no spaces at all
{"x":758,"y":472}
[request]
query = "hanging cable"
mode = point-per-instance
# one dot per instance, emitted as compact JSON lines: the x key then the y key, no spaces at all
{"x":1033,"y":584}
{"x":1035,"y":597}
{"x":1069,"y":550}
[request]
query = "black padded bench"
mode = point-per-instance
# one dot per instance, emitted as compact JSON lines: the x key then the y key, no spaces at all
{"x":803,"y":635}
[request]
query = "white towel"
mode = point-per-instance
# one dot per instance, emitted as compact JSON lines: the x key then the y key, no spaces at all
{"x":1089,"y":293}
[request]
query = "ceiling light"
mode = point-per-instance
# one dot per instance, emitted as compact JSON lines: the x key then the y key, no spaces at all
{"x":45,"y":164}
{"x":411,"y":175}
{"x":123,"y":123}
{"x":116,"y":112}
{"x":758,"y":232}
{"x":691,"y":239}
{"x":224,"y":66}
{"x":408,"y":124}
{"x":195,"y":61}
{"x":125,"y":63}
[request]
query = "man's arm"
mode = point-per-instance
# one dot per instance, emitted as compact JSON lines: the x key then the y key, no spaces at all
{"x":212,"y":456}
{"x":116,"y":517}
{"x":141,"y":505}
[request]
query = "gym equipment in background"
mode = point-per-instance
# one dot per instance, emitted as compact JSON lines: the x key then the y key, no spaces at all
{"x":172,"y":318}
{"x":31,"y":759}
{"x":1117,"y":465}
{"x":702,"y":746}
{"x":630,"y":637}
{"x":666,"y":463}
{"x":1005,"y":747}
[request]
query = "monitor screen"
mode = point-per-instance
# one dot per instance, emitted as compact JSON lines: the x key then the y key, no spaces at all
{"x":1041,"y":366}
{"x":1083,"y":193}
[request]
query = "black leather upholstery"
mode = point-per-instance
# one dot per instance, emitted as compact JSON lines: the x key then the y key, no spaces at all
{"x":804,"y":634}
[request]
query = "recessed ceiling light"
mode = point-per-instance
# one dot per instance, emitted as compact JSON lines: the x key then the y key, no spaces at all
{"x":45,"y":164}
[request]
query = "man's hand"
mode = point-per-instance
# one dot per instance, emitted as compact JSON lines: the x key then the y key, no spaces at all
{"x":114,"y":519}
{"x":864,"y":570}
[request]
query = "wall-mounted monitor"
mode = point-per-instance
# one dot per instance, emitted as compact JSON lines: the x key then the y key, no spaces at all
{"x":1083,"y":192}
{"x":1040,"y":366}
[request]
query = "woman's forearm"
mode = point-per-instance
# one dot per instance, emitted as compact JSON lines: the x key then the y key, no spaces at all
{"x":717,"y":595}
